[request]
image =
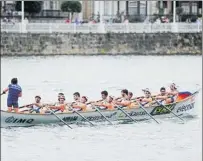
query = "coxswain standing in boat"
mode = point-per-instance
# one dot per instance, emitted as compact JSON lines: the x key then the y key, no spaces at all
{"x":147,"y":100}
{"x":14,"y":92}
{"x":80,"y":106}
{"x":124,"y":102}
{"x":172,"y":94}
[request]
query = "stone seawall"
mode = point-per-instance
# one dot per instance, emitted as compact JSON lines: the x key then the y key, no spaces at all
{"x":16,"y":44}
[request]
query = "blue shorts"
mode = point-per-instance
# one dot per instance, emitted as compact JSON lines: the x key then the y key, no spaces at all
{"x":13,"y":104}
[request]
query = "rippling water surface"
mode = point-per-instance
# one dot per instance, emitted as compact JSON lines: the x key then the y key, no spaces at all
{"x":145,"y":141}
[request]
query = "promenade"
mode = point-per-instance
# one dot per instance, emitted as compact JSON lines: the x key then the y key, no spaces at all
{"x":102,"y":28}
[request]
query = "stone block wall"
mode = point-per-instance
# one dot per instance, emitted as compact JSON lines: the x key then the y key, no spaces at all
{"x":17,"y":44}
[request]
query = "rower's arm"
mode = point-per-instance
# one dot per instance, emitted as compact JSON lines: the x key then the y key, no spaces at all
{"x":104,"y":105}
{"x":38,"y":105}
{"x":123,"y":103}
{"x":147,"y":99}
{"x":97,"y":104}
{"x":172,"y":93}
{"x":161,"y":97}
{"x":55,"y":107}
{"x":76,"y":106}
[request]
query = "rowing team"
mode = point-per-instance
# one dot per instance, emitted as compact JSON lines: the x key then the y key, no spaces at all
{"x":106,"y":103}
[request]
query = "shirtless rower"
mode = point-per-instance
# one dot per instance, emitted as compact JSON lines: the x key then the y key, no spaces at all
{"x":125,"y":102}
{"x":146,"y":101}
{"x":161,"y":97}
{"x":80,"y":106}
{"x":76,"y":97}
{"x":172,"y":94}
{"x":35,"y":107}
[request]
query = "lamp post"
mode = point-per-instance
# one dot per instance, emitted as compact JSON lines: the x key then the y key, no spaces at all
{"x":22,"y":16}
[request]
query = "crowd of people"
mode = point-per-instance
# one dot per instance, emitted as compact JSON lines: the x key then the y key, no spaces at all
{"x":81,"y":103}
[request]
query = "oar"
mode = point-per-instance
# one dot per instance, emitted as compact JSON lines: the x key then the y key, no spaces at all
{"x":126,"y":114}
{"x":84,"y":118}
{"x":169,"y":110}
{"x":147,"y":112}
{"x":103,"y":115}
{"x":93,"y":102}
{"x":26,"y":105}
{"x":60,"y":119}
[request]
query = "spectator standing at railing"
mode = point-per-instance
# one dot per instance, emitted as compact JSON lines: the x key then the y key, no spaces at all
{"x":67,"y":21}
{"x":77,"y":22}
{"x":126,"y":21}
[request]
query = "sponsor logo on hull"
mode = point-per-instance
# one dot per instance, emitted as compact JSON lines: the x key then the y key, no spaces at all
{"x":18,"y":120}
{"x":185,"y":107}
{"x":160,"y":110}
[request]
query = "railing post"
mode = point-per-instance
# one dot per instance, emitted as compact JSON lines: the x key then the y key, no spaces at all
{"x":74,"y":28}
{"x":102,"y":28}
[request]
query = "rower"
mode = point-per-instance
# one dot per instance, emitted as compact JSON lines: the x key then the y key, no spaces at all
{"x":101,"y":103}
{"x":147,"y":98}
{"x":14,"y":92}
{"x":172,"y":94}
{"x":60,"y":95}
{"x":76,"y":96}
{"x":104,"y":95}
{"x":35,"y":107}
{"x":109,"y":105}
{"x":130,"y":95}
{"x":59,"y":107}
{"x":125,"y":102}
{"x":161,"y":97}
{"x":80,"y":106}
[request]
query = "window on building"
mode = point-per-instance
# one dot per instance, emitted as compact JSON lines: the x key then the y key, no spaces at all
{"x":165,"y":4}
{"x":51,"y":5}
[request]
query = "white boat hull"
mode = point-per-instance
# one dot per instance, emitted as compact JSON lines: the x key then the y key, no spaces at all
{"x":183,"y":108}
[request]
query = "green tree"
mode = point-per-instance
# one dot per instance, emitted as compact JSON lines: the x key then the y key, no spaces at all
{"x":71,"y":7}
{"x":30,"y":7}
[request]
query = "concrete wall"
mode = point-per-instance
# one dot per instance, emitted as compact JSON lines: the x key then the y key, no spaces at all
{"x":110,"y":43}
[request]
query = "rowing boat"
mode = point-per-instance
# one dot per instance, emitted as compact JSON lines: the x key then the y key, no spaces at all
{"x":182,"y":108}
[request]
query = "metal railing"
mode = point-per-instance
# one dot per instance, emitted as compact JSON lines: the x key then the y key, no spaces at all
{"x":102,"y":28}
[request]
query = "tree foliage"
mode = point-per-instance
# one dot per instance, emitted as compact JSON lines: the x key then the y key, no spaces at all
{"x":71,"y":6}
{"x":30,"y":7}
